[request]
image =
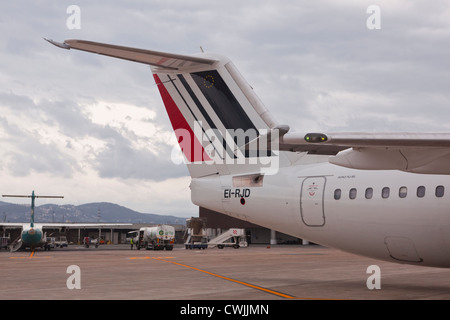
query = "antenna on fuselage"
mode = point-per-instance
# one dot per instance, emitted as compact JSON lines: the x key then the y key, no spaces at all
{"x":32,"y":196}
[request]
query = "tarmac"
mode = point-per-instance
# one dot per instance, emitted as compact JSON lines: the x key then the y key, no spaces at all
{"x":258,"y":272}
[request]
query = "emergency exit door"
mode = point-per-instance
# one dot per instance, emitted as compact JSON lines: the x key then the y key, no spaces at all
{"x":311,"y":201}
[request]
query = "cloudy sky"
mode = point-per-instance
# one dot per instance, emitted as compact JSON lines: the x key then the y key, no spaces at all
{"x":94,"y":128}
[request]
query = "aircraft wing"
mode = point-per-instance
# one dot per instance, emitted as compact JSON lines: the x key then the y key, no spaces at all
{"x":13,"y":225}
{"x":412,"y":152}
{"x":153,"y":58}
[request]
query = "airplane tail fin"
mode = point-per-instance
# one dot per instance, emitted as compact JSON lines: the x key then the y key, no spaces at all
{"x":221,"y":125}
{"x":32,"y":196}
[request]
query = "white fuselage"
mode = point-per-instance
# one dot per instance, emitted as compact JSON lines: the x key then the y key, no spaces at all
{"x":407,"y":223}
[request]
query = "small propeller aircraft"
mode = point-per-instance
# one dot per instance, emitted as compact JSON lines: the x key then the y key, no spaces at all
{"x":32,"y":235}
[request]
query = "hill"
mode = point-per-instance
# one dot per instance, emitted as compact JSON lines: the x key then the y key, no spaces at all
{"x":89,"y":212}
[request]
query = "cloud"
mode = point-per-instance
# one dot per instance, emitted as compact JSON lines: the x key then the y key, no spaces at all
{"x":119,"y":159}
{"x":52,"y":137}
{"x":28,"y":139}
{"x":98,"y":125}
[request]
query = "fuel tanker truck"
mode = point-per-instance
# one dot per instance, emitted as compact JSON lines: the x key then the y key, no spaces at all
{"x":156,"y":238}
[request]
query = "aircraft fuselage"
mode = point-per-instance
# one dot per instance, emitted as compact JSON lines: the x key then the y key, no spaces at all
{"x":389,"y":215}
{"x":32,"y":237}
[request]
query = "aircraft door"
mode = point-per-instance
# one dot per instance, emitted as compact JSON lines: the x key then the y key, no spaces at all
{"x":311,"y":201}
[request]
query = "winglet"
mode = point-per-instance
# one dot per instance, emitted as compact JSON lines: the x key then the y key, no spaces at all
{"x":58,"y":44}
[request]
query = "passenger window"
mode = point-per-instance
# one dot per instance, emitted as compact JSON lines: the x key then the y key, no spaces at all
{"x":421,"y":191}
{"x":403,"y":192}
{"x":352,"y":193}
{"x":337,"y":194}
{"x":439,"y":191}
{"x":385,"y":192}
{"x":369,"y":193}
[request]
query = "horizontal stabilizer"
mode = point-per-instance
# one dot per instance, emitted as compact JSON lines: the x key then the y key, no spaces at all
{"x":332,"y":143}
{"x":360,"y":139}
{"x":67,"y":225}
{"x":29,"y":196}
{"x":427,"y":153}
{"x":154,"y":58}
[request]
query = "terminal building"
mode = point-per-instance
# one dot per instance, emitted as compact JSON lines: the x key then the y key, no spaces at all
{"x":215,"y":223}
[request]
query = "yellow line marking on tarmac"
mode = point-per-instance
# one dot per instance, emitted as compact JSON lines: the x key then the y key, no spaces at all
{"x":31,"y":256}
{"x":229,"y":279}
{"x":146,"y":258}
{"x":38,"y":257}
{"x":280,"y":294}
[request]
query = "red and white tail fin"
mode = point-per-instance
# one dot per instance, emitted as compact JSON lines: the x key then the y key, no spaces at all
{"x":215,"y":115}
{"x":221,"y":125}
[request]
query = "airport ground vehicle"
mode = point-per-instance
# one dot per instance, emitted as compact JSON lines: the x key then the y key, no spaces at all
{"x":196,"y":234}
{"x":203,"y":244}
{"x":50,"y":243}
{"x":234,"y":238}
{"x":61,"y":242}
{"x":157,"y":238}
{"x":132,"y":235}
